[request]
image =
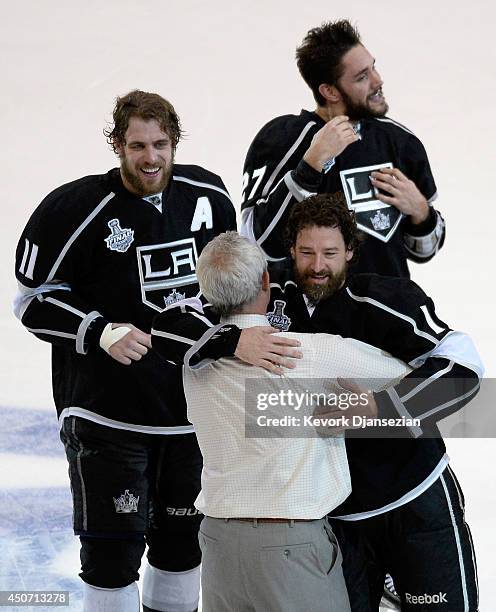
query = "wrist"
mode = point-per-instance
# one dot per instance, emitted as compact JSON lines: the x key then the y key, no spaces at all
{"x":424,"y":227}
{"x":306,"y":176}
{"x":421,"y":214}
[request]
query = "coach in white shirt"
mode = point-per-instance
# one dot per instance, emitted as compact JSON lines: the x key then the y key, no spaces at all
{"x":265,"y":541}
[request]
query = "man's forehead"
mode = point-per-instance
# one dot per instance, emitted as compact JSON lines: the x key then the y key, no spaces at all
{"x":315,"y":235}
{"x":358,"y":58}
{"x":144,"y":129}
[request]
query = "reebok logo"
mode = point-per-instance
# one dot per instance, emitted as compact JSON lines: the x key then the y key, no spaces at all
{"x":426,"y":599}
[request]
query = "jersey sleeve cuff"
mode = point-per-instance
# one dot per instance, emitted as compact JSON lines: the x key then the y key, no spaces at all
{"x":92,"y":333}
{"x":424,"y":228}
{"x":390,"y":406}
{"x":306,"y":176}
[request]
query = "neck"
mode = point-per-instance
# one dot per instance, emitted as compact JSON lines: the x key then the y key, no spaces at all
{"x":329,"y":111}
{"x":258,"y":306}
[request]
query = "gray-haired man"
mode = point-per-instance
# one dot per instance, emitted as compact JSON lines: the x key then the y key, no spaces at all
{"x":265,"y":542}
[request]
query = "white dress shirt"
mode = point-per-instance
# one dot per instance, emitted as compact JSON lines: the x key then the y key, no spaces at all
{"x":280,"y":477}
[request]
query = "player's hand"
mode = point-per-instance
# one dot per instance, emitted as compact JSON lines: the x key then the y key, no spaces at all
{"x":131,"y":347}
{"x":403,"y":193}
{"x":330,"y":141}
{"x":360,"y":403}
{"x":259,"y":347}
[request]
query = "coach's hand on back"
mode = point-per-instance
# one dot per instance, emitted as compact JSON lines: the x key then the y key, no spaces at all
{"x":259,"y":346}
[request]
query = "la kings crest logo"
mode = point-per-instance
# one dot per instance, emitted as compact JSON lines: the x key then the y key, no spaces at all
{"x":373,"y":216}
{"x":277,"y":318}
{"x":163,"y":268}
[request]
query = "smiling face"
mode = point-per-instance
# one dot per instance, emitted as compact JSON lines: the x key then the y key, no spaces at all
{"x":146,"y":157}
{"x":360,"y":85}
{"x":320,"y":261}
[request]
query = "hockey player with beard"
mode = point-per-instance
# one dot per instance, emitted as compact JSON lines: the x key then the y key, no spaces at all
{"x":347,"y":143}
{"x":97,"y":260}
{"x":405,"y":515}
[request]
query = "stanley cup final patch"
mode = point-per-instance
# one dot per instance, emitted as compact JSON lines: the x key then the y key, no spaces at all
{"x":277,"y":318}
{"x":373,"y":216}
{"x":120,"y":239}
{"x":126,"y":503}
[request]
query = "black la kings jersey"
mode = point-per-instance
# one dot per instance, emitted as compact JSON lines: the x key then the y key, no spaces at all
{"x":93,"y":253}
{"x":275,"y":177}
{"x":393,"y":314}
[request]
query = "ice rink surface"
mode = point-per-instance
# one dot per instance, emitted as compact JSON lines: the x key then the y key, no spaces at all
{"x":228,"y":67}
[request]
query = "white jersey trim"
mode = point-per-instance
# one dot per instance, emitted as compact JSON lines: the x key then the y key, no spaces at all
{"x":425,"y":383}
{"x":405,"y":499}
{"x":25,"y":295}
{"x":400,"y":315}
{"x":101,"y":420}
{"x":402,"y":411}
{"x":52,"y":332}
{"x":450,"y":403}
{"x":60,"y":304}
{"x":76,"y":234}
{"x":459,"y":347}
{"x":275,"y":219}
{"x":174,"y":337}
{"x":458,"y":545}
{"x":183,"y":179}
{"x":298,"y":192}
{"x":387,"y":120}
{"x":290,"y":152}
{"x":83,"y":328}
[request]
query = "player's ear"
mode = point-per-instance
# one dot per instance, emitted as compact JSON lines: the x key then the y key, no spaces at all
{"x":118,"y":147}
{"x":265,"y":281}
{"x":330,"y":93}
{"x":349,"y":254}
{"x":293,"y":252}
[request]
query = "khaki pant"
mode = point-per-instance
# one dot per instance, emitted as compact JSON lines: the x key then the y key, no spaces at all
{"x":271,"y":567}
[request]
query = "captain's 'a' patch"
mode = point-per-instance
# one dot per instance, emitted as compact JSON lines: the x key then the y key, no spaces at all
{"x":164,"y":268}
{"x":373,"y":216}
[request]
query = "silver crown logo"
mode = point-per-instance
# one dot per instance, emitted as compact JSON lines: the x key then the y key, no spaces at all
{"x":174,"y":297}
{"x":380,"y":221}
{"x":126,"y":502}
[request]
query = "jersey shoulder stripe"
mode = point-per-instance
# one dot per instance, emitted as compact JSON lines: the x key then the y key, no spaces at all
{"x":389,"y":121}
{"x":292,"y":148}
{"x":184,"y":179}
{"x":75,"y":234}
{"x":199,"y":177}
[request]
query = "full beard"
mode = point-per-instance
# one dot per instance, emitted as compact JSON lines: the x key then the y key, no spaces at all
{"x":318,"y":292}
{"x":139,"y":186}
{"x":355,"y":112}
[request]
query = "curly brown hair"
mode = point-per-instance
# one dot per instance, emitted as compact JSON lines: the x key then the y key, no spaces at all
{"x":146,"y":106}
{"x":324,"y":210}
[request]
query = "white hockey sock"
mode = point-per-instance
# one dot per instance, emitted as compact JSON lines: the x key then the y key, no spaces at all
{"x":171,"y":591}
{"x":125,"y":599}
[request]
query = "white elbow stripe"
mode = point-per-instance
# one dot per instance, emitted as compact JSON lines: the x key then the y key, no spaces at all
{"x":83,"y":328}
{"x":402,"y":411}
{"x":459,"y":348}
{"x":298,"y":192}
{"x":425,"y":246}
{"x":246,"y":228}
{"x":111,"y":336}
